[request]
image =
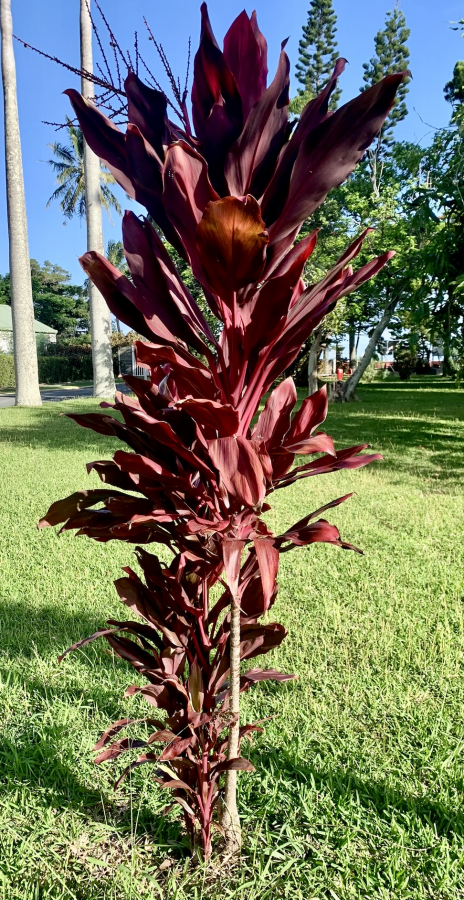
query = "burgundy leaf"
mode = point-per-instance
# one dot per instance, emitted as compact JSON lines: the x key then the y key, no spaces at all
{"x":240,"y":468}
{"x":239,"y":764}
{"x":146,"y":108}
{"x":119,"y":747}
{"x":252,"y":159}
{"x":216,"y":101}
{"x":231,"y":242}
{"x":146,"y":173}
{"x":311,"y":414}
{"x":255,"y":675}
{"x":268,"y":561}
{"x":161,"y":736}
{"x":177,"y":747}
{"x":186,"y":192}
{"x":103,"y":632}
{"x":104,"y":138}
{"x":330,"y":152}
{"x":244,"y":57}
{"x":232,"y":556}
{"x":64,"y":509}
{"x":274,"y":421}
{"x":221,"y":418}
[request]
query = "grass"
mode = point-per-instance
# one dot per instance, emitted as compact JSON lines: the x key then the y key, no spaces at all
{"x":359,"y":789}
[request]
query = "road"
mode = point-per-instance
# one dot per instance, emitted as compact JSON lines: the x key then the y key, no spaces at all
{"x":55,"y":395}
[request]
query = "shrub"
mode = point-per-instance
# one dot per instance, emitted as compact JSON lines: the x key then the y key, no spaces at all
{"x":7,"y":373}
{"x":405,"y":360}
{"x":198,"y":473}
{"x":68,"y":351}
{"x":59,"y":369}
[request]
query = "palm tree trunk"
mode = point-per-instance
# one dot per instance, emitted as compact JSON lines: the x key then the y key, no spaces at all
{"x":352,"y":348}
{"x":22,"y":307}
{"x":313,"y":360}
{"x":100,"y":319}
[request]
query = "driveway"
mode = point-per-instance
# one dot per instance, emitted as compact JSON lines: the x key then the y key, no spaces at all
{"x":55,"y":395}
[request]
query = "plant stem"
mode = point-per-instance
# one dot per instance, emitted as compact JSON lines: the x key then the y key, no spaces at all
{"x":230,"y":818}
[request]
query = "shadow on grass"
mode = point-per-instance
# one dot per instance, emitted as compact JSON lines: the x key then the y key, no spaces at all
{"x":49,"y":427}
{"x":33,"y":762}
{"x":345,"y":785}
{"x":408,"y":424}
{"x":29,"y":631}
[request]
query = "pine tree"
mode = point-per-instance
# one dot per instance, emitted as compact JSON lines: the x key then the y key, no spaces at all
{"x":391,"y":55}
{"x":318,"y":51}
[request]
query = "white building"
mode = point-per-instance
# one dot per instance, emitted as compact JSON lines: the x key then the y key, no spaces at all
{"x":43,"y":333}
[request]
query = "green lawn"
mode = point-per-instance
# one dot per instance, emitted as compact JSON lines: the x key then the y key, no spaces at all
{"x":359,"y":788}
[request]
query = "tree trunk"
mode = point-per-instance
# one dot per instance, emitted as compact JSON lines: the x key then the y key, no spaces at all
{"x":313,"y":359}
{"x":100,"y":319}
{"x":353,"y":380}
{"x":22,"y":307}
{"x":447,"y":367}
{"x":230,"y":817}
{"x":352,"y":349}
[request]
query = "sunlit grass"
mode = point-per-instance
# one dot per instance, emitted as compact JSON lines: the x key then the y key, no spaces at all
{"x":359,"y":785}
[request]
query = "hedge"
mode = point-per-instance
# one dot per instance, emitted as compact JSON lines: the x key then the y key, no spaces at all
{"x":7,"y":376}
{"x":52,"y":369}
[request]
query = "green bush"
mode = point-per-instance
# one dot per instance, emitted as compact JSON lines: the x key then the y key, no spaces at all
{"x":405,"y":360}
{"x":68,"y":351}
{"x":369,"y":374}
{"x":58,"y":369}
{"x":7,"y":376}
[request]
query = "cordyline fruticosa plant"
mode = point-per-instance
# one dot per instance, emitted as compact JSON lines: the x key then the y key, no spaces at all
{"x":230,"y":196}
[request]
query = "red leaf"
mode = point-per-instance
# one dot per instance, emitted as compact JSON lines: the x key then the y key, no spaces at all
{"x":195,"y":686}
{"x":231,"y":242}
{"x":145,"y":170}
{"x":161,"y":736}
{"x":164,"y":300}
{"x":147,"y":108}
{"x":330,"y":152}
{"x":240,"y":468}
{"x":121,"y":296}
{"x":103,"y":632}
{"x":216,"y":102}
{"x":104,"y":138}
{"x":244,"y":57}
{"x":320,"y":443}
{"x":187,"y":191}
{"x":117,"y":748}
{"x":251,"y":160}
{"x":268,"y":561}
{"x":177,"y":747}
{"x":312,"y":413}
{"x":239,"y":764}
{"x":314,"y":113}
{"x":80,"y":500}
{"x":118,"y":726}
{"x":255,"y":675}
{"x":219,"y":417}
{"x":274,"y":421}
{"x":232,"y":556}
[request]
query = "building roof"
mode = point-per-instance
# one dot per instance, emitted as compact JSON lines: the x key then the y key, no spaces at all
{"x":6,"y":324}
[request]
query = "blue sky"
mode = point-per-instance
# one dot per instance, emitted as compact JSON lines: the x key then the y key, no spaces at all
{"x":52,"y":25}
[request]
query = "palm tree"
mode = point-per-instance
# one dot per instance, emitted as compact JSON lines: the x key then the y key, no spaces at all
{"x":100,"y":319}
{"x":68,"y":167}
{"x":22,"y":308}
{"x":115,"y":255}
